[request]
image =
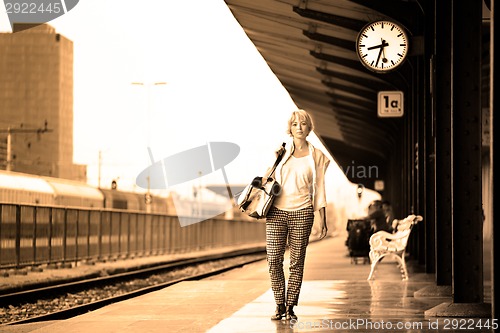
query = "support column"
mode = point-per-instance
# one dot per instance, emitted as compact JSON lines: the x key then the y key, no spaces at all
{"x":466,"y":205}
{"x":442,"y":101}
{"x":427,"y":198}
{"x":466,"y":153}
{"x":443,"y":143}
{"x":494,"y":91}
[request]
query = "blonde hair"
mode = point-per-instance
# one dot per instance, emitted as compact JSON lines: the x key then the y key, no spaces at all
{"x":300,"y":115}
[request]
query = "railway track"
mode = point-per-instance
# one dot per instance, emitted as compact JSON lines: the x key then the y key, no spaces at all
{"x":62,"y":301}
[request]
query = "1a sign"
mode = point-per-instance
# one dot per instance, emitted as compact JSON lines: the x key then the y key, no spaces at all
{"x":390,"y":104}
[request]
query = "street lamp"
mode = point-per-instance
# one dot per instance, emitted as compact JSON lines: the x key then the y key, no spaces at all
{"x":149,"y":85}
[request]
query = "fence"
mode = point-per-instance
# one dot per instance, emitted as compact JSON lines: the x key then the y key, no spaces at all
{"x":32,"y":235}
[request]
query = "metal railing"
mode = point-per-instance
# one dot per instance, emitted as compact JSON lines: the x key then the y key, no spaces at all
{"x":32,"y":235}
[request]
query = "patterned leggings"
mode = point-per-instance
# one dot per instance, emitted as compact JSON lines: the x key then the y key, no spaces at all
{"x":296,"y":227}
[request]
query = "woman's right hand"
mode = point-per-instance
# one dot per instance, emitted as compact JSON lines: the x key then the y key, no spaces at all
{"x":279,"y":151}
{"x":266,"y":179}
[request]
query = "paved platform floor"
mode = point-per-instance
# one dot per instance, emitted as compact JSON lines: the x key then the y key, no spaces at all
{"x":335,"y":297}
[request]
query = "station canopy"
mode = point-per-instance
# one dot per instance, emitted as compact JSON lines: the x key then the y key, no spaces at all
{"x":310,"y":46}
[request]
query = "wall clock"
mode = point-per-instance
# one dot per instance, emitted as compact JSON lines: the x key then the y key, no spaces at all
{"x":382,"y":46}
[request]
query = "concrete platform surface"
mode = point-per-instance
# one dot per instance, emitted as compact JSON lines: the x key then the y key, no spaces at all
{"x":335,"y":296}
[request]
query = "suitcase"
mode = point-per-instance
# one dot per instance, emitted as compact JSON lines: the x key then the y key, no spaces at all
{"x":359,"y":232}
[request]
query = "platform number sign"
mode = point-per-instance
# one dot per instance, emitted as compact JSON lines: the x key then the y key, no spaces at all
{"x":390,"y":104}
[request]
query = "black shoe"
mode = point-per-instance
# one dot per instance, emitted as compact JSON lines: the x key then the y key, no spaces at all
{"x":289,"y":313}
{"x":280,"y":312}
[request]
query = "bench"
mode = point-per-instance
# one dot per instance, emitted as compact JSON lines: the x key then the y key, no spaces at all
{"x":384,"y":244}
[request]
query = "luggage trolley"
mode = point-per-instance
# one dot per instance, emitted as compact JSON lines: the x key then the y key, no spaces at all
{"x":359,"y":232}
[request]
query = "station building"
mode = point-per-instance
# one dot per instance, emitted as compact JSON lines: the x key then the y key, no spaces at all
{"x":36,"y":103}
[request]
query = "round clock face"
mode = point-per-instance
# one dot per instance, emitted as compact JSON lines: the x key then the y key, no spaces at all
{"x":382,"y":46}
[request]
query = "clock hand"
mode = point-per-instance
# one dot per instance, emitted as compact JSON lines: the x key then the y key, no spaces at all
{"x":384,"y":59}
{"x":376,"y":47}
{"x":384,"y":44}
{"x":378,"y":58}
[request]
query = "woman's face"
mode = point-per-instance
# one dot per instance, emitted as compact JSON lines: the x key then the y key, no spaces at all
{"x":299,"y":128}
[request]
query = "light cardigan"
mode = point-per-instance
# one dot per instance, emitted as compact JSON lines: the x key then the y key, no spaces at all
{"x":319,"y":164}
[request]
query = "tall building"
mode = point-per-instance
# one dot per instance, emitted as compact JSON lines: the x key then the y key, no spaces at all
{"x":36,"y":102}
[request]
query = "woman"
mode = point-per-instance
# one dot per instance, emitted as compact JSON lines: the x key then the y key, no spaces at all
{"x":301,"y":174}
{"x":378,"y":216}
{"x":389,"y":213}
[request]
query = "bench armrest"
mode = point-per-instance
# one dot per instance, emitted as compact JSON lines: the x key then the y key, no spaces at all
{"x":385,"y":241}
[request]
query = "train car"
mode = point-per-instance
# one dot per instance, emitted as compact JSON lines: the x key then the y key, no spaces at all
{"x":207,"y":207}
{"x":137,"y":201}
{"x":33,"y":189}
{"x":23,"y":188}
{"x":121,"y":200}
{"x":158,"y":203}
{"x":75,"y":194}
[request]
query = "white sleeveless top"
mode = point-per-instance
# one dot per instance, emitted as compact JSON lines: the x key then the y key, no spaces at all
{"x":296,"y":183}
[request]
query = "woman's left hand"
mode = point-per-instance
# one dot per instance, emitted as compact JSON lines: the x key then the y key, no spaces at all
{"x":324,"y":228}
{"x":324,"y":231}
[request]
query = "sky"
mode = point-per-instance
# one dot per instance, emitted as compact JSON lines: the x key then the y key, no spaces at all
{"x":215,"y":86}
